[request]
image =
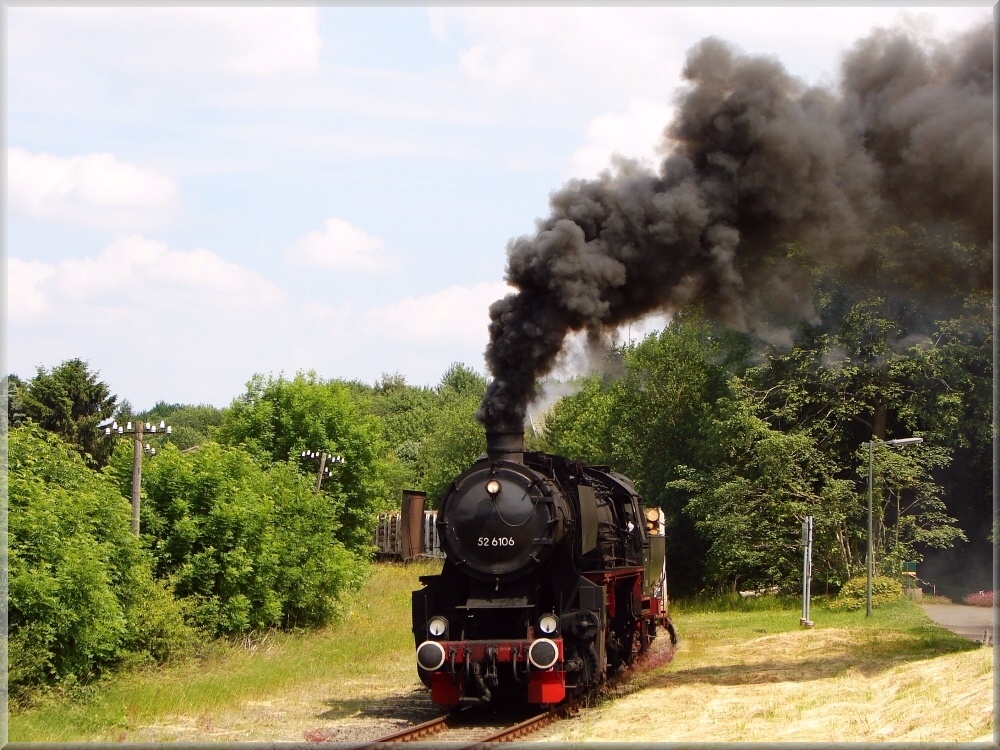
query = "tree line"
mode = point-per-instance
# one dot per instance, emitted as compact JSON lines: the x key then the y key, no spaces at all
{"x":735,"y":438}
{"x":739,"y":440}
{"x":234,"y":539}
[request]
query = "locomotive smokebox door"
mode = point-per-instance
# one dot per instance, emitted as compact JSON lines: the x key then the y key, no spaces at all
{"x":499,"y":523}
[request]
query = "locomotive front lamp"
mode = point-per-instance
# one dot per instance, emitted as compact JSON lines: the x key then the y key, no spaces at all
{"x":543,"y":653}
{"x":548,"y":623}
{"x":493,"y":487}
{"x":437,"y":626}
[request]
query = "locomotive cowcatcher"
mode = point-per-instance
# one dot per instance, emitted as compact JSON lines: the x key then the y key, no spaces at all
{"x":554,"y":579}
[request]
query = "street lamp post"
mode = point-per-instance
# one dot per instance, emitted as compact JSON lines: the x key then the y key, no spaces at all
{"x":871,"y":555}
{"x":137,"y":432}
{"x":325,"y":472}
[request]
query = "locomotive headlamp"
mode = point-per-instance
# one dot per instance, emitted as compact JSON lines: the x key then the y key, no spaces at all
{"x":437,"y":626}
{"x":548,"y":623}
{"x":493,"y":487}
{"x":543,"y":653}
{"x":430,"y":655}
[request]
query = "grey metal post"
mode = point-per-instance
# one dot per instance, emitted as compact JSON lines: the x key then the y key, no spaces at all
{"x":807,"y":538}
{"x":871,"y":561}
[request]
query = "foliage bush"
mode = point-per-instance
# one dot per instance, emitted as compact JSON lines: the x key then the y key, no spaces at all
{"x":278,"y":418}
{"x":454,"y":442}
{"x":190,"y":425}
{"x":980,"y":599}
{"x":82,"y":598}
{"x":430,"y":434}
{"x":853,"y":594}
{"x":247,"y":548}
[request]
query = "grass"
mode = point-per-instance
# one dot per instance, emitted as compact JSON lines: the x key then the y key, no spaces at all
{"x":751,"y":672}
{"x":374,"y":633}
{"x":728,"y":650}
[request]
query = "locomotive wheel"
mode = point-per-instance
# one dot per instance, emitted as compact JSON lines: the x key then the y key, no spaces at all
{"x":638,"y":645}
{"x":589,"y":678}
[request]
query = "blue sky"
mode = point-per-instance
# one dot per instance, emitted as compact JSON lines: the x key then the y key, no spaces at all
{"x":195,"y":195}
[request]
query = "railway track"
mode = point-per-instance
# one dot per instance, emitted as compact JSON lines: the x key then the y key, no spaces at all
{"x":473,"y":727}
{"x":479,"y":726}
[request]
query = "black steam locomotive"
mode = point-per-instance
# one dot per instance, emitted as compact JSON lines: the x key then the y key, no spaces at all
{"x":554,"y":579}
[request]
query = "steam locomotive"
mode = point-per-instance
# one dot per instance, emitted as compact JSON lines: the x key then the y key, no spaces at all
{"x":554,"y":579}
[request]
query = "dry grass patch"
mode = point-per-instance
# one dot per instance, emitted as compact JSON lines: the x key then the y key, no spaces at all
{"x":822,"y":685}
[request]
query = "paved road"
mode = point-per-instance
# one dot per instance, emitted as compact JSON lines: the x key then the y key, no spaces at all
{"x":969,"y":622}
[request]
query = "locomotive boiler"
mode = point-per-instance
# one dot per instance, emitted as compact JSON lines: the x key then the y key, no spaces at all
{"x":554,"y":579}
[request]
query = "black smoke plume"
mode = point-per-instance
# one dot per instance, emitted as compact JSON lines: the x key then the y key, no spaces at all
{"x":760,"y":167}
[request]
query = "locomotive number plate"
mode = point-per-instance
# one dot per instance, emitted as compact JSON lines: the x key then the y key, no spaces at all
{"x":496,"y":541}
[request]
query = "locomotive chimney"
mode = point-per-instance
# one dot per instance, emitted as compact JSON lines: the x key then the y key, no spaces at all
{"x":505,"y":445}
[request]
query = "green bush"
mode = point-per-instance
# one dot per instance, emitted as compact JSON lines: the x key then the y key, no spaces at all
{"x":247,"y":548}
{"x":853,"y":594}
{"x":82,"y":595}
{"x":277,"y":418}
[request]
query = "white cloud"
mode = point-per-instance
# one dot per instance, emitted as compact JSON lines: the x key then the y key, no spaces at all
{"x":25,"y":294}
{"x":640,"y":50}
{"x":266,"y":41}
{"x":339,"y":245}
{"x":566,"y":53}
{"x":247,"y":41}
{"x":134,"y":270}
{"x":457,"y":315}
{"x":94,"y":190}
{"x":504,"y":67}
{"x":634,"y":134}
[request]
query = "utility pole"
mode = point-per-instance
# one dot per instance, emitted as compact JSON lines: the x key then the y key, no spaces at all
{"x":324,"y":472}
{"x":137,"y":433}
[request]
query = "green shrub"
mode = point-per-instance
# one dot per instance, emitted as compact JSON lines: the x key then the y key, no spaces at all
{"x":247,"y":548}
{"x":853,"y":594}
{"x":82,"y":595}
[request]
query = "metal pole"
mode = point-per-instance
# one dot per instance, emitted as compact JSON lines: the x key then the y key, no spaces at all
{"x":136,"y":476}
{"x":807,"y":529}
{"x":871,"y":558}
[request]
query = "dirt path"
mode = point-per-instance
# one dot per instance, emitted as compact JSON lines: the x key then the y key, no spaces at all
{"x":974,"y":623}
